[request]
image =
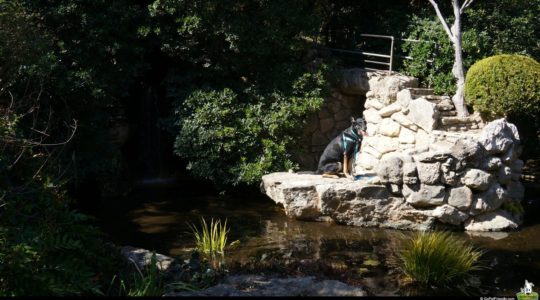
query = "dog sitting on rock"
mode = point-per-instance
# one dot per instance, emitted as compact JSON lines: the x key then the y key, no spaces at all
{"x":338,"y":156}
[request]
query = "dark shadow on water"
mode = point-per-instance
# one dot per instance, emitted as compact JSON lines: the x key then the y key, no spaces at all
{"x":272,"y":243}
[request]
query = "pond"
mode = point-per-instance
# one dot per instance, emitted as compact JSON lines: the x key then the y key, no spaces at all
{"x":271,"y":242}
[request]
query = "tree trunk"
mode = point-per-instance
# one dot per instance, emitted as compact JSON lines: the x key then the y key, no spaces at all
{"x":457,"y":69}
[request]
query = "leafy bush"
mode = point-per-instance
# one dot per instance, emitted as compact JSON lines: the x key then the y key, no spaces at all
{"x":242,"y":92}
{"x":437,"y":258}
{"x":433,"y":56}
{"x":231,"y":138}
{"x":489,"y":28}
{"x":49,"y":250}
{"x":504,"y":85}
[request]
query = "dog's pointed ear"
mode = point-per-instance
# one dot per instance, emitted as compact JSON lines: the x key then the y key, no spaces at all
{"x":352,"y":120}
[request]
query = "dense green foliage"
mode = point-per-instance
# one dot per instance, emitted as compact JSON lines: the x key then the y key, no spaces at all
{"x":235,"y":78}
{"x":437,"y":258}
{"x":489,"y":28}
{"x":45,"y":247}
{"x":504,"y":85}
{"x":248,"y":88}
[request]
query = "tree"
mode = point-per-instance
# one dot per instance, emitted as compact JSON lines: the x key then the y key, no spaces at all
{"x":454,"y":33}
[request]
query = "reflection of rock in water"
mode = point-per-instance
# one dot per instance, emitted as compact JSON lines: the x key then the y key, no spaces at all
{"x":487,"y":234}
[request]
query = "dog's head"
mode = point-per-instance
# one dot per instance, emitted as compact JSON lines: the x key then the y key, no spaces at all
{"x":359,"y":126}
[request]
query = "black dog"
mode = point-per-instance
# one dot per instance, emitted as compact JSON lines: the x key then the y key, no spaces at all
{"x":339,"y":154}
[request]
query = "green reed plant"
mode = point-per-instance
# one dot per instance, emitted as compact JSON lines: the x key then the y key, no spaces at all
{"x":438,"y":258}
{"x":211,"y":238}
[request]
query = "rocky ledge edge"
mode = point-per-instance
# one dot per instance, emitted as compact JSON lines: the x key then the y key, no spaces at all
{"x":314,"y":198}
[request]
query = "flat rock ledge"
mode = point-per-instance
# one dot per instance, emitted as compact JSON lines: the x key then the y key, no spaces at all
{"x":312,"y":197}
{"x":260,"y":286}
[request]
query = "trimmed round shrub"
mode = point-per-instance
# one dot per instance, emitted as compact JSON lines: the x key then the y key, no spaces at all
{"x":504,"y":85}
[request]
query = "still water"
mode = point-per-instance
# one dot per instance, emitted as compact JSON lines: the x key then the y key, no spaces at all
{"x":271,"y":242}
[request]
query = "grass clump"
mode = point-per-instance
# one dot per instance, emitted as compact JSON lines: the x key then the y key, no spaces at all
{"x":211,"y":238}
{"x":143,"y":283}
{"x":437,"y":259}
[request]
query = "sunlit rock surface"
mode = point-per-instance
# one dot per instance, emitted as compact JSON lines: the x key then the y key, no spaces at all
{"x":428,"y":166}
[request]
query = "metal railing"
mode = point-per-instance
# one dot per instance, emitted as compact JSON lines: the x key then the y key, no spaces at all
{"x":379,"y":59}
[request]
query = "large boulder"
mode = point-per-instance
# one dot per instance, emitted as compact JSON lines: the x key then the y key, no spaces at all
{"x":387,"y":87}
{"x":429,"y":173}
{"x":489,"y":200}
{"x":498,"y":136}
{"x":449,"y":214}
{"x":460,"y":197}
{"x":423,"y":113}
{"x":477,"y":179}
{"x":468,"y":152}
{"x":389,"y":128}
{"x":424,"y":195}
{"x":390,"y":170}
{"x":492,"y":221}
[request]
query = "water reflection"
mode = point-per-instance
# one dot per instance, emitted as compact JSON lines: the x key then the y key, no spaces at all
{"x":356,"y":255}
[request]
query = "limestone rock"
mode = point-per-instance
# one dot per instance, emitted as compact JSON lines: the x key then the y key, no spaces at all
{"x":449,"y":214}
{"x":433,"y":156}
{"x":477,"y":179}
{"x":489,"y":200}
{"x":387,"y":87}
{"x":372,"y":116}
{"x":142,"y":258}
{"x":449,"y":176}
{"x":373,"y":103}
{"x":460,"y":197}
{"x":409,"y":173}
{"x":429,"y":173}
{"x":389,"y":128}
{"x":504,"y":175}
{"x":497,"y":136}
{"x":404,"y":121}
{"x":406,"y":136}
{"x":491,"y":163}
{"x":423,"y":113}
{"x":404,"y":97}
{"x":383,"y":144}
{"x":389,"y":110}
{"x":423,"y":140}
{"x":367,"y":161}
{"x":468,"y":152}
{"x":354,"y":81}
{"x":372,"y":151}
{"x":425,"y":195}
{"x":372,"y":129}
{"x":390,"y":170}
{"x":491,"y":221}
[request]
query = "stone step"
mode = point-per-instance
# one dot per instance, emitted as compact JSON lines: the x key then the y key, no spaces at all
{"x":459,"y":120}
{"x":419,"y":92}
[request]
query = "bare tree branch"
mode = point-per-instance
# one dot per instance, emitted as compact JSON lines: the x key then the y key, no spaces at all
{"x":466,"y":4}
{"x":441,"y":18}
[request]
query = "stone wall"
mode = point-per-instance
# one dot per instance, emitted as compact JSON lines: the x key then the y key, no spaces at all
{"x":345,"y":101}
{"x":463,"y":171}
{"x":422,"y":165}
{"x":326,"y":124}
